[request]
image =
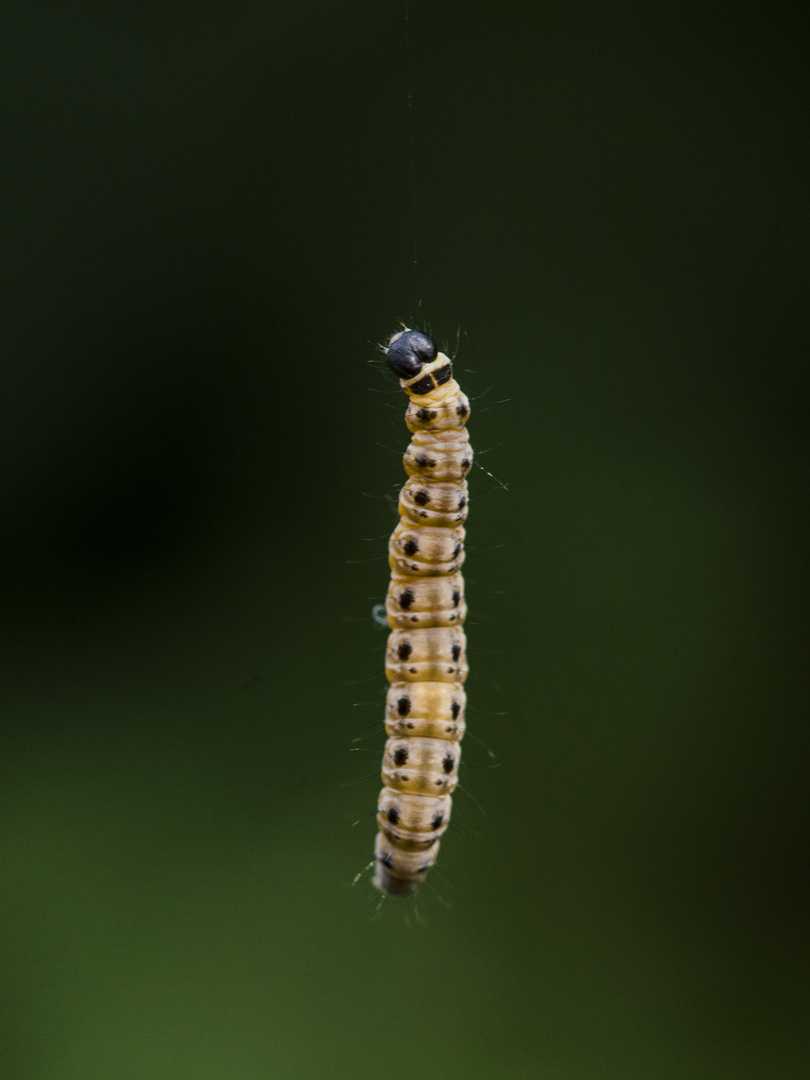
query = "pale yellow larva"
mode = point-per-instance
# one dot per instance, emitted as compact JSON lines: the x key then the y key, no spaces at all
{"x":426,"y":662}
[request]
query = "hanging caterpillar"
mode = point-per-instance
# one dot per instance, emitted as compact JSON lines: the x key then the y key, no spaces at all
{"x":426,"y":662}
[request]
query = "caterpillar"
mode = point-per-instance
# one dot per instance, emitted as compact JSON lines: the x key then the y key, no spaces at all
{"x":426,"y":659}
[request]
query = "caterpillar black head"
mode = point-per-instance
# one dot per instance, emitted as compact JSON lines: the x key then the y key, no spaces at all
{"x":414,"y":358}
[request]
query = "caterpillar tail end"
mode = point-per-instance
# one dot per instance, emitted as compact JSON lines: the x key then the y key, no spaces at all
{"x":400,"y":873}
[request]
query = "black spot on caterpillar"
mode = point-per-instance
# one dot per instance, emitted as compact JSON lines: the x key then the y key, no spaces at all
{"x":426,"y":664}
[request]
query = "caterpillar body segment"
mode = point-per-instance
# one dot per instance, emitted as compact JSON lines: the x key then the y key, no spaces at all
{"x":426,"y":601}
{"x":440,"y":504}
{"x":435,"y":654}
{"x":432,"y":709}
{"x":422,"y":550}
{"x":426,"y":659}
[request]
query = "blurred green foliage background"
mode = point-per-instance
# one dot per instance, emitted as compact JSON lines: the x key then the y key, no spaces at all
{"x":207,"y":227}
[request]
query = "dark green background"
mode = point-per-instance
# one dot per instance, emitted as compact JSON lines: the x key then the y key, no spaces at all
{"x":207,"y":228}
